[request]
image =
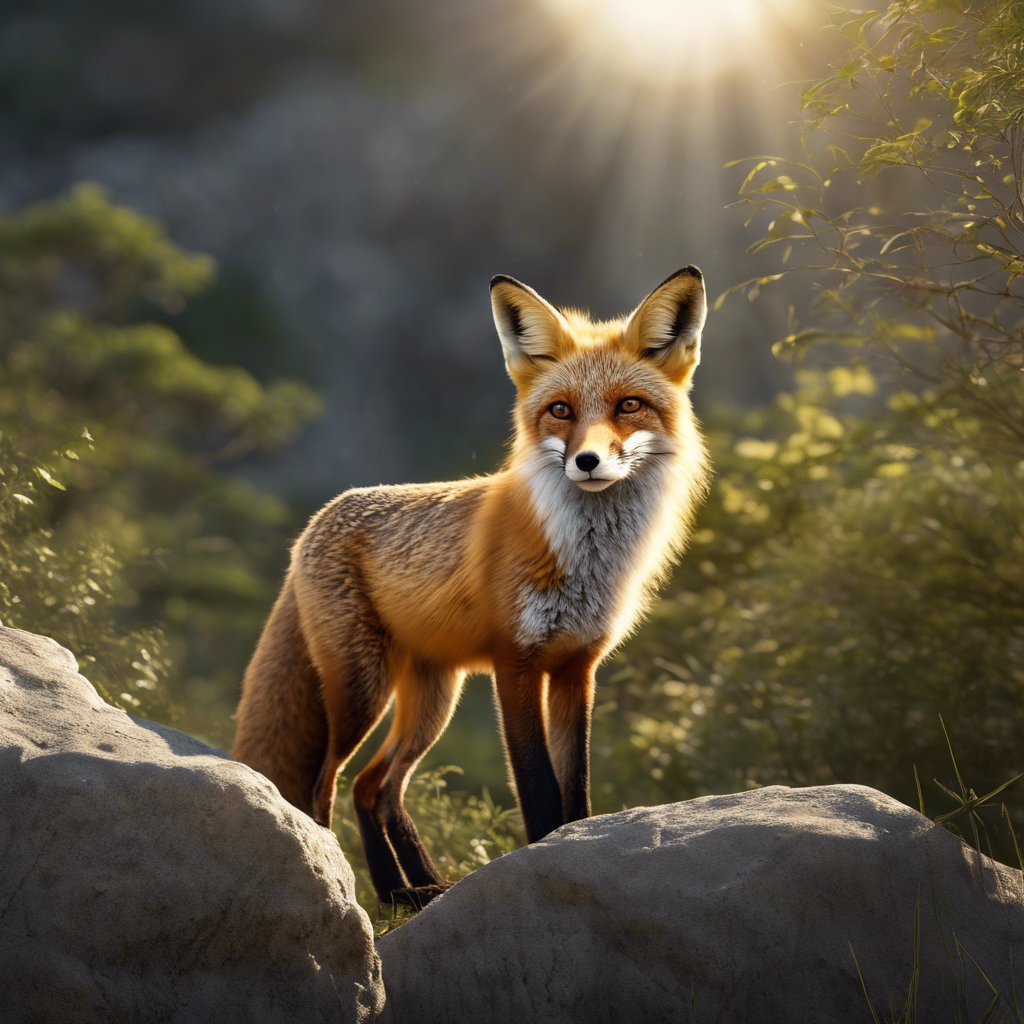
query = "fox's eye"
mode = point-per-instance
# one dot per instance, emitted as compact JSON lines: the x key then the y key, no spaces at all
{"x":560,"y":410}
{"x":630,"y":405}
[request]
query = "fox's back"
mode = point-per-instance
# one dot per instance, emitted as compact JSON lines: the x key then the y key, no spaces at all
{"x":403,"y":521}
{"x":405,"y":549}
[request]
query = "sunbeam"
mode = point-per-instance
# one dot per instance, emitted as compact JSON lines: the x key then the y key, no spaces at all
{"x":639,"y":104}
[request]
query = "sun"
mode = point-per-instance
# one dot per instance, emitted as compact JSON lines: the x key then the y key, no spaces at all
{"x":669,"y":41}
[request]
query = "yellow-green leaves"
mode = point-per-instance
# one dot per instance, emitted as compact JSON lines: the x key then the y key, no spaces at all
{"x":751,"y":448}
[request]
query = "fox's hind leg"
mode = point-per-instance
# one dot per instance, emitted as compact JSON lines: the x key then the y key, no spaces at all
{"x":425,"y":697}
{"x":353,"y":663}
{"x":356,"y":695}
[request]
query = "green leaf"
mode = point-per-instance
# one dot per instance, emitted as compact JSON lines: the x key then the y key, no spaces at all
{"x":757,"y":167}
{"x":854,"y":28}
{"x":781,"y":183}
{"x":45,"y":475}
{"x":889,"y":241}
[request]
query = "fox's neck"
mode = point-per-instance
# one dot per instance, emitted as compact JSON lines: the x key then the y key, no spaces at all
{"x":606,"y":544}
{"x":610,"y":527}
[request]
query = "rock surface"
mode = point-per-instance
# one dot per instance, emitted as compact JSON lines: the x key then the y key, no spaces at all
{"x":146,"y":877}
{"x":745,"y":908}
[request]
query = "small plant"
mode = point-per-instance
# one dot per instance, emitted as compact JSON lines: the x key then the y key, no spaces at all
{"x":76,"y":593}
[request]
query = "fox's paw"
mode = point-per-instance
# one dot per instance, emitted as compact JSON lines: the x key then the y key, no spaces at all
{"x":418,"y":896}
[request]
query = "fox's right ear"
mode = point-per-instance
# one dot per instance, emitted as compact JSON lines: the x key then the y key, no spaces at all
{"x":665,"y":328}
{"x":531,"y":330}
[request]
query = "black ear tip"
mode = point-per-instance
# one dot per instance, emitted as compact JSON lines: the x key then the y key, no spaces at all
{"x":688,"y":271}
{"x":504,"y":279}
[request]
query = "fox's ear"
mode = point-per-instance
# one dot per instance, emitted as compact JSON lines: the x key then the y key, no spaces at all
{"x":531,"y":330}
{"x":665,"y":328}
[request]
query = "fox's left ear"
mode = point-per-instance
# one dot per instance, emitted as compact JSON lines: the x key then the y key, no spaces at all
{"x":531,"y":330}
{"x":665,"y":328}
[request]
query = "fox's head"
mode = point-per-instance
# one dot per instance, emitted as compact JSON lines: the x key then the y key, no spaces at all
{"x":604,"y":401}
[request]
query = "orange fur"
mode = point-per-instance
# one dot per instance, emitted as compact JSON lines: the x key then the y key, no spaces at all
{"x":532,"y":574}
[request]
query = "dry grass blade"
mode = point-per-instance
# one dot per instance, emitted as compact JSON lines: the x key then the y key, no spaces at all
{"x":971,"y":801}
{"x":863,"y":987}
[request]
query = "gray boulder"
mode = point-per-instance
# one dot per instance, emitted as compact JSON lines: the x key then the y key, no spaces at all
{"x":758,"y":907}
{"x":147,"y":877}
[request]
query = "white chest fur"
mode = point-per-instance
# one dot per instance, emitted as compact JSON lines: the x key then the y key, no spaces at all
{"x":601,"y":541}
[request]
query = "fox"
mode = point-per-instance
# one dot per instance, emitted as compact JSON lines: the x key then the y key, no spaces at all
{"x":532,"y":575}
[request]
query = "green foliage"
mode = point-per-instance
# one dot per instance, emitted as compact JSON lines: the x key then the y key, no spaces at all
{"x":843,"y":591}
{"x":124,"y":537}
{"x":859,"y":570}
{"x":922,"y":271}
{"x":76,"y":592}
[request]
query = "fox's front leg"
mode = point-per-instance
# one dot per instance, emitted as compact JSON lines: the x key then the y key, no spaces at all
{"x":570,"y":706}
{"x":520,"y":689}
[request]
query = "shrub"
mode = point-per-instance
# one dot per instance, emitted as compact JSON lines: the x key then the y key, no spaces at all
{"x":125,"y":535}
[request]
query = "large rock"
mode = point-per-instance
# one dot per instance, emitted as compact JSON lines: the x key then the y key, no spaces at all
{"x":758,"y":907}
{"x":147,"y":877}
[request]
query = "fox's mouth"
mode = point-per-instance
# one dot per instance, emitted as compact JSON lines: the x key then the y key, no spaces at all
{"x":595,"y":483}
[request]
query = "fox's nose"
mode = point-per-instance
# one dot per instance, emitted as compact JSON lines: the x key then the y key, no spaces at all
{"x":587,"y":461}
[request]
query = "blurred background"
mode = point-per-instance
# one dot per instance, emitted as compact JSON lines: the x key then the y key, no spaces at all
{"x":275,"y":288}
{"x":360,"y":171}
